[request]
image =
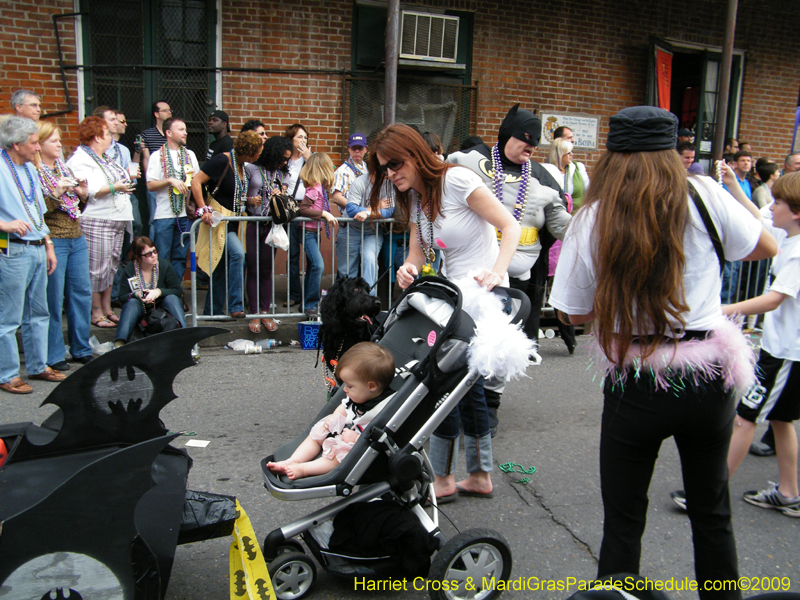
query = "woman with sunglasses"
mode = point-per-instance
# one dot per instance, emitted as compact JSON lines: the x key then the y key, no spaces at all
{"x":147,"y":283}
{"x":449,"y":208}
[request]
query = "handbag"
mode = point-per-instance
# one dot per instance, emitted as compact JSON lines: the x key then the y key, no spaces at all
{"x":283,"y":208}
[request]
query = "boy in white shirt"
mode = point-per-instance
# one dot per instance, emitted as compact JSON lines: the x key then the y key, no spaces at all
{"x":776,"y":395}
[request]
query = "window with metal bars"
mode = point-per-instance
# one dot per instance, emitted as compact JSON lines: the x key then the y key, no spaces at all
{"x":143,"y":51}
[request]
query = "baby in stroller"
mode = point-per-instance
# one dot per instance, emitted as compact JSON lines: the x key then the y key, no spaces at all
{"x":366,"y":371}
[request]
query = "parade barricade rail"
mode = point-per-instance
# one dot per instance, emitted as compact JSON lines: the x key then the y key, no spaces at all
{"x":393,"y":244}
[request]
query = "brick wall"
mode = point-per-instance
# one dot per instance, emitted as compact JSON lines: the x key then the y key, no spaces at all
{"x":29,"y":59}
{"x":577,"y":56}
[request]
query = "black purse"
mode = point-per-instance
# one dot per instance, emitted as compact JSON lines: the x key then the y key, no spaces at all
{"x":283,"y":208}
{"x":156,"y":321}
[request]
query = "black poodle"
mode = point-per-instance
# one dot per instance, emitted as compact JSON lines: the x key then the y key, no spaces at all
{"x":348,"y":315}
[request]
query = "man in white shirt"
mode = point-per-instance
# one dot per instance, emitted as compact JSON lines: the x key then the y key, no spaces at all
{"x":169,"y":175}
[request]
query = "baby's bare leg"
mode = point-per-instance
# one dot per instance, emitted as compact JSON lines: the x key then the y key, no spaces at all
{"x":307,"y":469}
{"x":304,"y":453}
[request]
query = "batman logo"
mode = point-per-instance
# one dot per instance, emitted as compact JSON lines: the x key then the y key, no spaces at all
{"x":249,"y":548}
{"x":485,"y":165}
{"x":239,"y":584}
{"x":124,"y":389}
{"x":263,"y":590}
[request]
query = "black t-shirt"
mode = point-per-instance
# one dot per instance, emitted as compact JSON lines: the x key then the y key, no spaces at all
{"x":223,"y":144}
{"x":214,"y":168}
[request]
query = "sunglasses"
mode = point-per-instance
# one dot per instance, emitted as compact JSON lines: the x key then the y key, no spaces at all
{"x":394,"y":165}
{"x":151,"y":253}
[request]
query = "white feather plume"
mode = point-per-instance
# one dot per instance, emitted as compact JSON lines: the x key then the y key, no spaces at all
{"x":499,"y":349}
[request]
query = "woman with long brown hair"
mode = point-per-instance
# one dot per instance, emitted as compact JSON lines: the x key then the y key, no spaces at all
{"x":643,"y":260}
{"x":449,"y":208}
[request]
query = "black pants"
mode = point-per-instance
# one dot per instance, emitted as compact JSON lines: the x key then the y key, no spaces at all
{"x":636,"y":419}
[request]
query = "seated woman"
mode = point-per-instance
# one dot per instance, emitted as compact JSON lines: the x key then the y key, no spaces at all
{"x":147,"y":283}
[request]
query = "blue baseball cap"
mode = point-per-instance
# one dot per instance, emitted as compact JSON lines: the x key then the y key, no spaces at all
{"x":357,"y":139}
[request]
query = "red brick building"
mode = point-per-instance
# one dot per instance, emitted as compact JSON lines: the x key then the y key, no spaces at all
{"x":320,"y":62}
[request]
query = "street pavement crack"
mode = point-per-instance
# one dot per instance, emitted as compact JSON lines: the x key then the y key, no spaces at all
{"x":552,"y":516}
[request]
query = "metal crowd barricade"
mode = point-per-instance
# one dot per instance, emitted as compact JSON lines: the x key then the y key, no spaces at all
{"x":392,"y":241}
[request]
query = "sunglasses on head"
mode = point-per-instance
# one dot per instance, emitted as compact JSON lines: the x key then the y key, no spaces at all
{"x":151,"y":253}
{"x":394,"y":165}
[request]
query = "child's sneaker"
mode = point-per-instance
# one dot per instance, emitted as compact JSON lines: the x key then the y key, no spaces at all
{"x":772,"y":498}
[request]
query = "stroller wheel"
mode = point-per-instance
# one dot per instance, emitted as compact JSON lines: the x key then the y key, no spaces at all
{"x":293,"y":575}
{"x":290,"y":545}
{"x":468,"y":558}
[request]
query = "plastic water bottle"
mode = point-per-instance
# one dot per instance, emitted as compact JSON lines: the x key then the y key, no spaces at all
{"x":268,"y":343}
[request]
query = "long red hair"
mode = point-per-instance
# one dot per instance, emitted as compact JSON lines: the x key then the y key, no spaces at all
{"x":642,"y":212}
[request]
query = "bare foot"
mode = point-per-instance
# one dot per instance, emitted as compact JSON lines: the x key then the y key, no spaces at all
{"x":280,"y":466}
{"x":444,"y":486}
{"x":295,"y":471}
{"x":480,"y":483}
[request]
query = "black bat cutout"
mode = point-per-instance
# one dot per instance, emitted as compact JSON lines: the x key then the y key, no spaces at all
{"x":116,"y":398}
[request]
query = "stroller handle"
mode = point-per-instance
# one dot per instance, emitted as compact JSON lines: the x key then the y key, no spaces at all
{"x":524,"y":309}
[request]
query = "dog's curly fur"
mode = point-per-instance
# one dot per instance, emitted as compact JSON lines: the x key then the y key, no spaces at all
{"x":348,"y":315}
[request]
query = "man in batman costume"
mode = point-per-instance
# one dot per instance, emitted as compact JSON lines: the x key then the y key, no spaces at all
{"x":535,"y":199}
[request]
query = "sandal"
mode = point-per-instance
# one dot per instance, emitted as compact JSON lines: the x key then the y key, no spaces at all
{"x":104,"y":323}
{"x":112,"y":317}
{"x":16,"y":386}
{"x":270,"y":324}
{"x":255,"y":326}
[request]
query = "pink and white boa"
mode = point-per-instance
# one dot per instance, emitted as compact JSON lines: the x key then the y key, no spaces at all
{"x":724,"y":353}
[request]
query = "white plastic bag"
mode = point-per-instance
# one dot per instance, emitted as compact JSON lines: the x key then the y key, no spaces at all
{"x":278,"y":238}
{"x":98,"y":348}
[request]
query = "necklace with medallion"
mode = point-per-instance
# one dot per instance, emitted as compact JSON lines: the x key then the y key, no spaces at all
{"x":427,"y":249}
{"x":153,"y":276}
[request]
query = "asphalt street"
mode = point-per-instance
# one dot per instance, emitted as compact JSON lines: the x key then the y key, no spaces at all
{"x":247,"y":405}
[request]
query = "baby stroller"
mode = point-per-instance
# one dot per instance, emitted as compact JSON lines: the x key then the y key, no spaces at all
{"x":428,"y":334}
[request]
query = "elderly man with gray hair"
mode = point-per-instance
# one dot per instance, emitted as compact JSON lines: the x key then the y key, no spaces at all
{"x":26,"y":260}
{"x":26,"y":104}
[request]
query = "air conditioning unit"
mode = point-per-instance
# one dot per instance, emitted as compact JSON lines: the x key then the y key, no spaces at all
{"x":425,"y":36}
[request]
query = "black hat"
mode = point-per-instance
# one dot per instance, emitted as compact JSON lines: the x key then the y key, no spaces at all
{"x":642,"y":129}
{"x":222,"y":116}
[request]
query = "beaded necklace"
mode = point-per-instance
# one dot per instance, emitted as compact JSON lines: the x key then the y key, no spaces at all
{"x":176,"y":200}
{"x":153,"y":276}
{"x":240,"y":188}
{"x":268,"y":183}
{"x":427,"y":249}
{"x":350,"y":163}
{"x":522,"y":193}
{"x":327,"y":206}
{"x":27,"y":199}
{"x":49,"y":179}
{"x":115,"y":147}
{"x":113,"y":173}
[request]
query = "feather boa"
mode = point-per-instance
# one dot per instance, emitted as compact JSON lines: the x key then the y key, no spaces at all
{"x":724,"y":353}
{"x":499,"y":349}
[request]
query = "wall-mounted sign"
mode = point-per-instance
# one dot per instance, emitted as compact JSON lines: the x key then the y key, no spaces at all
{"x":584,"y":128}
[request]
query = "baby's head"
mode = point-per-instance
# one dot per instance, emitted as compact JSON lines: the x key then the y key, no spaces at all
{"x":365,"y":371}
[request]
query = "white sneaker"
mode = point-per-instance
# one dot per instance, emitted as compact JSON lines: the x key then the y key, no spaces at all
{"x":772,"y":498}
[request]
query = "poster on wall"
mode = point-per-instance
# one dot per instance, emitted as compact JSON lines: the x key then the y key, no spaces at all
{"x":663,"y":77}
{"x":584,"y":128}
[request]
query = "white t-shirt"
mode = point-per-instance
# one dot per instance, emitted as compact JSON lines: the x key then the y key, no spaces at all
{"x":155,"y":172}
{"x":574,"y":284}
{"x":781,"y":336}
{"x":295,"y":166}
{"x":468,"y":241}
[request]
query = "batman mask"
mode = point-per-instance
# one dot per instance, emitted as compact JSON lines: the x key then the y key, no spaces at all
{"x":521,"y":124}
